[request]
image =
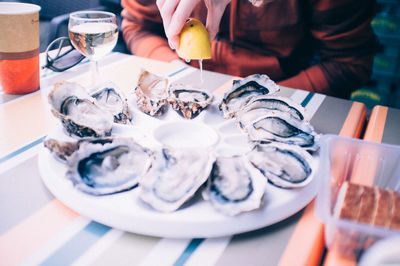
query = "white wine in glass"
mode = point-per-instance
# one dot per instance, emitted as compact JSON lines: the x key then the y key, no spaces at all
{"x":94,"y":34}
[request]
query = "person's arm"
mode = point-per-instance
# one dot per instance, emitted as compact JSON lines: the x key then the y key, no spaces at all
{"x":143,"y":30}
{"x":346,"y":45}
{"x":143,"y":27}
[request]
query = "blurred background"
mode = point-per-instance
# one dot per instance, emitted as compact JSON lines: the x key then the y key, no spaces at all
{"x":383,"y":87}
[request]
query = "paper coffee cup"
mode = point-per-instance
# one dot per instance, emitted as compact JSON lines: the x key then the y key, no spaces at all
{"x":19,"y":47}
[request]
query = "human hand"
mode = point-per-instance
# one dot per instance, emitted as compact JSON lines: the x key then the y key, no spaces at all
{"x":175,"y":12}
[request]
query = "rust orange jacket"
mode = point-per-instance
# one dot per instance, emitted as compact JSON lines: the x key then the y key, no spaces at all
{"x":326,"y":46}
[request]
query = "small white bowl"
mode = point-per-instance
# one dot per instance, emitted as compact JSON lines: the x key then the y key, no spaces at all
{"x":186,"y":134}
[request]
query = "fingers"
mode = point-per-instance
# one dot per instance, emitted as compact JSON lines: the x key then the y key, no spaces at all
{"x":174,"y":42}
{"x":167,"y":9}
{"x":181,"y":14}
{"x":175,"y":12}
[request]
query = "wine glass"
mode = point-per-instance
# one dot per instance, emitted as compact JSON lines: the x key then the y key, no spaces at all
{"x":94,"y":34}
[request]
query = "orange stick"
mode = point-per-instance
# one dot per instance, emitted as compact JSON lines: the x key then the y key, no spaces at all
{"x":365,"y":171}
{"x":306,"y":245}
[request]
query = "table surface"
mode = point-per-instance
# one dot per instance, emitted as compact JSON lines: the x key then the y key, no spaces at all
{"x":36,"y":228}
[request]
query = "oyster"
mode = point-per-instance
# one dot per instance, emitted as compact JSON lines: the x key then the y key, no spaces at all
{"x":77,"y":111}
{"x":282,"y":127}
{"x":175,"y":176}
{"x":152,"y":93}
{"x":188,"y":100}
{"x":260,"y":105}
{"x":244,"y":119}
{"x":284,"y":165}
{"x":243,"y":90}
{"x":111,"y":98}
{"x":63,"y":150}
{"x":107,"y":168}
{"x":234,"y":186}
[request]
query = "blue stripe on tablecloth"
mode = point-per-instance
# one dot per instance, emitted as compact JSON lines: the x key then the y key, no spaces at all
{"x":177,"y":72}
{"x":192,"y":246}
{"x":77,"y":245}
{"x":307,"y":99}
{"x":22,"y":149}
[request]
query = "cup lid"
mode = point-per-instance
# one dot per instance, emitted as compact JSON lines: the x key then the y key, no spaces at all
{"x":15,"y":8}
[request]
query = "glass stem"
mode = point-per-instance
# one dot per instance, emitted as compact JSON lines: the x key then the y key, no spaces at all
{"x":95,"y":71}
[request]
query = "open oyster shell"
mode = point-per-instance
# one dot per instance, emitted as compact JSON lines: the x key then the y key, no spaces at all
{"x":187,"y":100}
{"x":62,"y":150}
{"x":152,"y":93}
{"x":107,"y":168}
{"x":234,"y":186}
{"x":282,"y":127}
{"x":108,"y":96}
{"x":242,"y":91}
{"x":284,"y":165}
{"x":78,"y":112}
{"x":175,"y":176}
{"x":263,"y":104}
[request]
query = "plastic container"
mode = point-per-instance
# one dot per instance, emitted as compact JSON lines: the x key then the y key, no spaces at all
{"x":383,"y":252}
{"x":344,"y":159}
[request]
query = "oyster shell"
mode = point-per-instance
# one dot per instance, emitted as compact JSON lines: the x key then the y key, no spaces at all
{"x":243,"y":90}
{"x":152,"y":93}
{"x":282,"y":127}
{"x":77,"y":111}
{"x":260,"y":105}
{"x":284,"y":165}
{"x":234,"y":186}
{"x":111,"y":98}
{"x":107,"y":168}
{"x":63,"y":150}
{"x":175,"y":176}
{"x":187,"y":100}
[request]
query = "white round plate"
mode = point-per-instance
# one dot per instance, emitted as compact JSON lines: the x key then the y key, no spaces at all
{"x":197,"y":218}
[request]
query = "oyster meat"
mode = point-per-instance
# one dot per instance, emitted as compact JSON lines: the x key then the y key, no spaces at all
{"x":282,"y":127}
{"x":152,"y":93}
{"x":107,"y":168}
{"x":175,"y":176}
{"x":261,"y":105}
{"x":111,"y":98}
{"x":244,"y":119}
{"x":234,"y":186}
{"x":78,"y":112}
{"x":243,"y":90}
{"x":284,"y":165}
{"x":187,"y":100}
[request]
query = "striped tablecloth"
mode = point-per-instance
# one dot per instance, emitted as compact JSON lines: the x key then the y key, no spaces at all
{"x":36,"y":228}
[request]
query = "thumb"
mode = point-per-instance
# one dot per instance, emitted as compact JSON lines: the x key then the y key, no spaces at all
{"x":215,"y":11}
{"x":212,"y":26}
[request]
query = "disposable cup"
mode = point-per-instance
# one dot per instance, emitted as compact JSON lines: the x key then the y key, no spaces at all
{"x":19,"y":47}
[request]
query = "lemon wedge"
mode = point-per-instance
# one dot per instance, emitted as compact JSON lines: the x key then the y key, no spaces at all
{"x":194,"y":42}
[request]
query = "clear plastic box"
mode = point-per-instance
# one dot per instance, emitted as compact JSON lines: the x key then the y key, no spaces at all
{"x":344,"y":159}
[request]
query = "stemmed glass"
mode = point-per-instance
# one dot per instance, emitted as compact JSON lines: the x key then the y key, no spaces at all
{"x":94,"y":34}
